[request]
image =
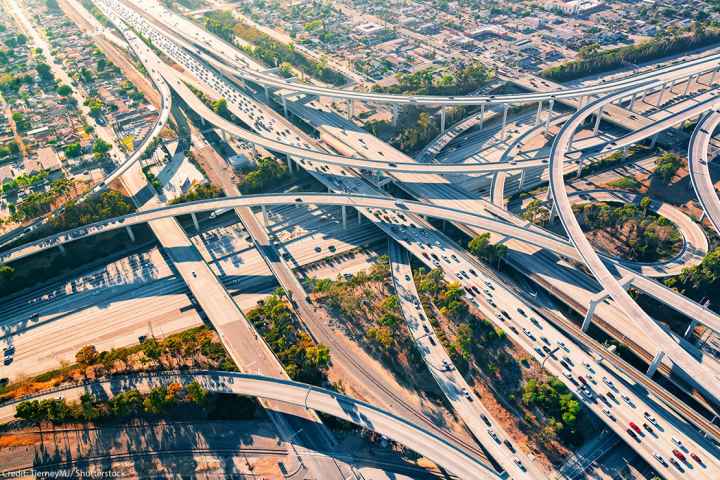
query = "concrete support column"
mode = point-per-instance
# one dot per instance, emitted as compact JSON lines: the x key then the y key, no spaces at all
{"x":539,"y":112}
{"x":712,"y":78}
{"x":687,"y":85}
{"x":588,"y":316}
{"x":655,"y":363}
{"x":644,"y":94}
{"x":653,"y":140}
{"x":580,"y":167}
{"x":702,"y":216}
{"x":482,"y":116}
{"x":632,"y":101}
{"x":224,"y":135}
{"x":506,"y":107}
{"x":522,"y":178}
{"x":581,"y":102}
{"x":267,"y":93}
{"x":690,"y":328}
{"x":598,"y":117}
{"x":672,"y":85}
{"x":289,"y":163}
{"x":195,"y":221}
{"x":625,"y":152}
{"x":284,"y":100}
{"x":442,"y":119}
{"x":266,"y":222}
{"x":344,"y":217}
{"x":553,"y":211}
{"x":395,"y":114}
{"x":61,"y":247}
{"x":360,"y":217}
{"x":549,"y":115}
{"x":130,"y":233}
{"x":660,"y":97}
{"x":349,"y":108}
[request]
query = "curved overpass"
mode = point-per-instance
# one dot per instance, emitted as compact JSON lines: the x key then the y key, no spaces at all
{"x":700,"y":377}
{"x":298,"y":394}
{"x":699,"y":169}
{"x":240,"y":67}
{"x":529,"y":234}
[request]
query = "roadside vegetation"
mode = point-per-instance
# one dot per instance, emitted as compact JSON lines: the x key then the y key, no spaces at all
{"x":266,"y":49}
{"x":199,"y":191}
{"x":594,"y":61}
{"x":538,"y":408}
{"x":197,"y":348}
{"x":458,"y":80}
{"x":368,"y":310}
{"x":629,"y":230}
{"x":303,"y":359}
{"x":267,"y":174}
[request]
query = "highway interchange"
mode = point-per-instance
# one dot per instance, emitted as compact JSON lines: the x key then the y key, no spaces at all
{"x":403,"y":220}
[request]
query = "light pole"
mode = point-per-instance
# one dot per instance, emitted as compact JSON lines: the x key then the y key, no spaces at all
{"x":550,"y":354}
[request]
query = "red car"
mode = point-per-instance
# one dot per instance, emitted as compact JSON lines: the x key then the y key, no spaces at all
{"x":695,"y":457}
{"x":636,"y":428}
{"x":679,"y":454}
{"x":582,"y":379}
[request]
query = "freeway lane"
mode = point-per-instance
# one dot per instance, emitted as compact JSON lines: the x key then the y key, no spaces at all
{"x":457,"y":391}
{"x":299,"y":395}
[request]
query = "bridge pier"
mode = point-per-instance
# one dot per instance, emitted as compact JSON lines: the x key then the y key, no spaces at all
{"x":482,"y":116}
{"x":712,"y":77}
{"x":344,"y":217}
{"x":598,"y":117}
{"x":285,"y":111}
{"x":442,"y":119}
{"x":653,"y":140}
{"x":655,"y":364}
{"x":690,"y":328}
{"x":522,"y":178}
{"x":553,"y":211}
{"x":549,"y":115}
{"x":632,"y":101}
{"x":580,"y":167}
{"x":265,"y":216}
{"x":642,"y":97}
{"x":687,"y":85}
{"x":589,"y":314}
{"x":395,"y":114}
{"x":130,"y":233}
{"x":539,"y":111}
{"x":506,"y":107}
{"x":349,"y":108}
{"x":672,"y":85}
{"x":660,"y":97}
{"x":702,"y":216}
{"x":289,"y":163}
{"x":267,"y":93}
{"x":581,"y":102}
{"x":360,"y":217}
{"x":61,"y":247}
{"x":195,"y":221}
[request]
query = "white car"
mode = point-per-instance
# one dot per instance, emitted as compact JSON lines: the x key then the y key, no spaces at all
{"x":609,"y":414}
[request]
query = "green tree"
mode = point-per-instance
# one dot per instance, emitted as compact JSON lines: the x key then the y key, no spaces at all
{"x":64,"y":90}
{"x":72,"y":150}
{"x":87,"y":355}
{"x":43,"y":70}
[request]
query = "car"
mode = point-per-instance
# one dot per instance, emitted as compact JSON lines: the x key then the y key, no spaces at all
{"x":519,"y":464}
{"x":466,"y":394}
{"x":505,"y":314}
{"x":679,"y":455}
{"x":515,"y":330}
{"x":565,"y":365}
{"x":676,"y":463}
{"x":486,"y":420}
{"x":589,"y":367}
{"x":509,"y":445}
{"x":545,"y":340}
{"x":570,"y":377}
{"x":660,"y":459}
{"x":521,"y":312}
{"x":425,"y":328}
{"x":568,"y":360}
{"x":650,"y":418}
{"x":678,"y":442}
{"x":695,"y":457}
{"x":582,"y":380}
{"x":540,"y":352}
{"x":446,"y":365}
{"x":431,"y":340}
{"x":493,"y":435}
{"x":632,"y":433}
{"x":407,"y":278}
{"x":609,"y":383}
{"x":612,"y":397}
{"x":563,"y":346}
{"x":648,"y":428}
{"x":194,"y":275}
{"x":627,"y":400}
{"x":298,"y":200}
{"x":609,"y":414}
{"x":528,"y":334}
{"x":635,"y":428}
{"x":536,"y":322}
